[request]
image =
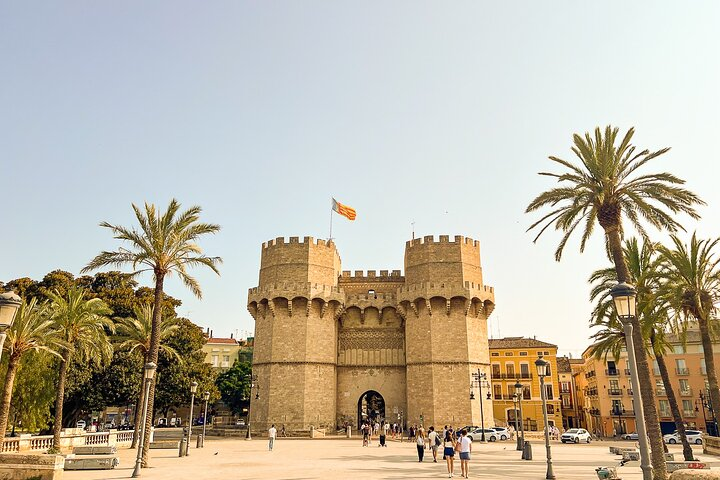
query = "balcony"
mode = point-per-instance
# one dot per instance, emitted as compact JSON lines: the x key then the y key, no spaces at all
{"x":612,"y":373}
{"x":630,"y":392}
{"x":590,"y":374}
{"x":511,"y":376}
{"x":660,"y":392}
{"x":703,"y":371}
{"x":627,"y":371}
{"x":686,"y":393}
{"x":689,"y":413}
{"x":615,"y":391}
{"x":682,"y":371}
{"x":622,"y":413}
{"x":665,"y":414}
{"x":656,"y":372}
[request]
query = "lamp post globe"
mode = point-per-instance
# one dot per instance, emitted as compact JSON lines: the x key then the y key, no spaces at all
{"x":9,"y":305}
{"x":624,"y":298}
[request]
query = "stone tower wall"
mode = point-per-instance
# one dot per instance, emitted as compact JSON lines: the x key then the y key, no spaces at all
{"x":295,"y":307}
{"x":446,"y":307}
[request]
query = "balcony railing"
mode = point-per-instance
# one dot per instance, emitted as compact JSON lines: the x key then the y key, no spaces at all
{"x":661,"y":392}
{"x":622,"y":413}
{"x":686,"y":393}
{"x":511,"y":376}
{"x":689,"y":413}
{"x":589,"y":374}
{"x":614,"y":391}
{"x":627,"y":371}
{"x":665,"y":414}
{"x":612,"y":372}
{"x":629,"y":391}
{"x":682,"y":371}
{"x":656,"y":372}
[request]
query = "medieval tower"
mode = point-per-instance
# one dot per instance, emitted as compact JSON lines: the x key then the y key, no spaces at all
{"x":335,"y":347}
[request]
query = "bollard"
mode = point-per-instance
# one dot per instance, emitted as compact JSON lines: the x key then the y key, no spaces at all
{"x":349,"y":431}
{"x":200,"y":441}
{"x":183,"y":446}
{"x":527,"y":451}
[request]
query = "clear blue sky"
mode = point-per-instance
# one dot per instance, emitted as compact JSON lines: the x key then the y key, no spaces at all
{"x":437,"y":112}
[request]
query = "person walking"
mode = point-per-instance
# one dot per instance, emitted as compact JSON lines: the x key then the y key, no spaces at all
{"x":449,"y":452}
{"x":420,"y":441}
{"x":382,"y":434}
{"x":272,"y":433}
{"x":365,"y":434}
{"x":465,"y":449}
{"x":433,"y":442}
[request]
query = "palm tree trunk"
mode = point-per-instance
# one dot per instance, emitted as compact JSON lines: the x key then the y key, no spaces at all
{"x":13,"y":364}
{"x":152,"y":356}
{"x":709,"y":365}
{"x":138,"y":415}
{"x":672,"y":399}
{"x":647,"y":391}
{"x":57,"y":424}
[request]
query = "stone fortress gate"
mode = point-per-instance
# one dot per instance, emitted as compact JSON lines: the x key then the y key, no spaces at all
{"x":334,"y":347}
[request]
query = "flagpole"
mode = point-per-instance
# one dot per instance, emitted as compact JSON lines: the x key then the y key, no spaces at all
{"x":331,"y":212}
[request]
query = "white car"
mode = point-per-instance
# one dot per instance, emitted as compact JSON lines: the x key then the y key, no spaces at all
{"x":490,"y":435}
{"x":693,"y":436}
{"x":575,"y":435}
{"x":80,"y":424}
{"x":502,"y":432}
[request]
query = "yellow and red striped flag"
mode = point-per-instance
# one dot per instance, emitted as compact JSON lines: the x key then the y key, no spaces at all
{"x":344,"y":210}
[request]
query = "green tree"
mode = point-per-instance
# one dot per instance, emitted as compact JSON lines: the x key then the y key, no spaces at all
{"x":34,"y":391}
{"x":32,"y":330}
{"x":643,"y":264}
{"x":173,"y":389}
{"x":603,"y":189}
{"x":165,"y":244}
{"x":691,"y":288}
{"x":133,"y":333}
{"x":81,"y":324}
{"x":234,"y":386}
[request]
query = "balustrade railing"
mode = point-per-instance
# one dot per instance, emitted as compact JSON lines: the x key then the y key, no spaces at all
{"x":29,"y":443}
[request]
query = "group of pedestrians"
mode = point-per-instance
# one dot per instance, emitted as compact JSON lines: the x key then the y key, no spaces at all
{"x":379,"y":429}
{"x":452,"y":443}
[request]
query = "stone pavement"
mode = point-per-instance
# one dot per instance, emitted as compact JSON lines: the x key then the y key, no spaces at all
{"x":305,"y":459}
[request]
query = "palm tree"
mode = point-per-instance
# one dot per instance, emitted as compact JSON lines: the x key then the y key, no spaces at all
{"x":643,"y":264}
{"x":603,"y":189}
{"x":81,"y":324}
{"x":165,"y":244}
{"x":32,"y":330}
{"x":691,"y":287}
{"x":134,"y":334}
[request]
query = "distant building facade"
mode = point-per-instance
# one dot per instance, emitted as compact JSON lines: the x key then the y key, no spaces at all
{"x":512,"y":360}
{"x":334,"y":347}
{"x":221,"y":353}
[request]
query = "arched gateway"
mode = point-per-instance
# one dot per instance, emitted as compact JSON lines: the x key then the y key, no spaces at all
{"x":371,"y":406}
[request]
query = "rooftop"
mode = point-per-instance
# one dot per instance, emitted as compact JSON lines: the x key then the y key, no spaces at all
{"x":224,"y":341}
{"x":563,"y":365}
{"x":518,"y":342}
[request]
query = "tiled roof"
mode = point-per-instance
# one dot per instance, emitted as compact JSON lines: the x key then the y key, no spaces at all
{"x":224,"y":341}
{"x":518,"y":342}
{"x":563,"y":365}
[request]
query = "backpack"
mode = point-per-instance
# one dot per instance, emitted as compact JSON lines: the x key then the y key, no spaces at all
{"x":437,"y":440}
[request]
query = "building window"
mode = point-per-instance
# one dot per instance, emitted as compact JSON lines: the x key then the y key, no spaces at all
{"x":551,"y":409}
{"x":524,"y":370}
{"x":497,"y":391}
{"x":496,"y":370}
{"x":526,"y":392}
{"x":656,"y":368}
{"x":549,"y":392}
{"x":508,"y":354}
{"x":510,"y":369}
{"x":523,"y":354}
{"x":684,"y":386}
{"x":681,"y":367}
{"x":688,"y":408}
{"x":214,"y":360}
{"x":703,"y":367}
{"x":679,"y":349}
{"x":494,"y":354}
{"x":665,"y":408}
{"x":564,"y":387}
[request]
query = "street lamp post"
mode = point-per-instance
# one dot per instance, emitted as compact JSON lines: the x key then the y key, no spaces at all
{"x":253,"y":380}
{"x":519,"y":393}
{"x":206,"y":396}
{"x":542,"y":371}
{"x":9,"y":305}
{"x":193,"y":389}
{"x":705,"y":401}
{"x":619,"y":410}
{"x":480,"y":379}
{"x":623,"y":296}
{"x":515,"y":414}
{"x":149,"y":374}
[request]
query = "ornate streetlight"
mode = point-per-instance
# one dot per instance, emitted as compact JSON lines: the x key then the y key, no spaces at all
{"x":193,"y":389}
{"x":149,"y":374}
{"x":9,"y":305}
{"x":543,"y":367}
{"x":480,"y":380}
{"x":253,"y":384}
{"x":519,"y":393}
{"x":623,"y":295}
{"x":206,"y":396}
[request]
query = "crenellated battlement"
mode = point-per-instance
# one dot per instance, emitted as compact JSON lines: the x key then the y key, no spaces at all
{"x":442,"y":239}
{"x":371,"y":275}
{"x":302,"y":288}
{"x":281,"y":241}
{"x":450,"y":286}
{"x":378,"y":297}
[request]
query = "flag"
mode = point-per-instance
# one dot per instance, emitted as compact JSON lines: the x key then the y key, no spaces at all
{"x":343,"y":210}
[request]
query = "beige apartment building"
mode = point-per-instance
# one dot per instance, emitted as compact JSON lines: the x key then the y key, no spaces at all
{"x":221,"y":353}
{"x":608,"y":405}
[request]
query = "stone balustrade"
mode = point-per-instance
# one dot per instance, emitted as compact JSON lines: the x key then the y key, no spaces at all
{"x":71,"y":437}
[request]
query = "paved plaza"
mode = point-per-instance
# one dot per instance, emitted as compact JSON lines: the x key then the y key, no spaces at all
{"x":295,"y":459}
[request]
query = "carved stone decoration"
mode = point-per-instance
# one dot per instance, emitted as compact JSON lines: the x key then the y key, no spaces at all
{"x":428,"y":306}
{"x":414,"y":307}
{"x":324,"y":308}
{"x":447,"y":307}
{"x":307,"y":308}
{"x":262,"y":309}
{"x":271,"y":305}
{"x":371,"y":339}
{"x":290,"y":302}
{"x":468,"y":305}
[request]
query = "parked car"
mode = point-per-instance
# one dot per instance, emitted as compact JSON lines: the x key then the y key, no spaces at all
{"x":490,"y":435}
{"x":503,"y":433}
{"x":693,"y":436}
{"x":630,"y":436}
{"x":575,"y":435}
{"x":81,"y":424}
{"x":240,"y":422}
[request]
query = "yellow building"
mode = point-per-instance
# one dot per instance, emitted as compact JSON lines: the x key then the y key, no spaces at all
{"x":512,"y":360}
{"x":221,"y":353}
